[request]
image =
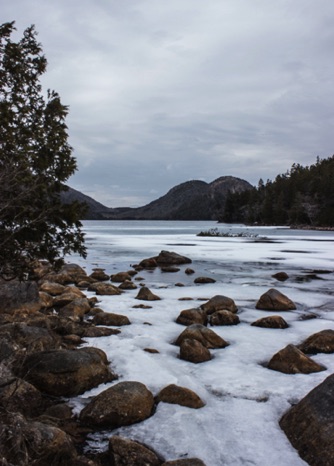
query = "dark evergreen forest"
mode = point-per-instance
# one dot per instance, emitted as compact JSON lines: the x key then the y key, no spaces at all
{"x":301,"y":196}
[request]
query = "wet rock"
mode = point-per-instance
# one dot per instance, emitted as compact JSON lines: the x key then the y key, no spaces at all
{"x":192,"y":316}
{"x":145,"y":294}
{"x":150,"y":263}
{"x":290,"y":360}
{"x":179,"y":395}
{"x":224,"y":317}
{"x":122,"y":404}
{"x":123,"y":451}
{"x":151,"y":350}
{"x":309,"y":425}
{"x":141,"y":306}
{"x":321,"y":342}
{"x":65,"y":372}
{"x":99,"y":275}
{"x":271,"y":322}
{"x":102,"y":288}
{"x":218,"y":303}
{"x":108,"y":318}
{"x":120,"y":277}
{"x":189,"y":271}
{"x":204,"y":335}
{"x":204,"y":280}
{"x":274,"y":300}
{"x":281,"y":276}
{"x":194,"y":351}
{"x":171,"y":258}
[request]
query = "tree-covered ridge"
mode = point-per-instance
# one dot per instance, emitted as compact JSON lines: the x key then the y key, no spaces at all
{"x":302,"y":196}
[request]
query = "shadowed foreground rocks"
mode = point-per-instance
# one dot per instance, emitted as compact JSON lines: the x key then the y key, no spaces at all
{"x":309,"y":425}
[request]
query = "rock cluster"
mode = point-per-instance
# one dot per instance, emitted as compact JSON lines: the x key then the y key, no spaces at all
{"x":44,"y":322}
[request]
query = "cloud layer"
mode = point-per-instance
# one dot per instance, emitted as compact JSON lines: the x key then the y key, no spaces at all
{"x":165,"y":92}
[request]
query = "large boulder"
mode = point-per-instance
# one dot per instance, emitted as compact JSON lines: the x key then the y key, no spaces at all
{"x":65,"y":372}
{"x":291,"y":360}
{"x":123,"y":451}
{"x":204,"y":335}
{"x":321,"y":342}
{"x":171,"y":258}
{"x":218,"y":303}
{"x":145,"y":294}
{"x":16,"y":295}
{"x":17,"y":395}
{"x":194,"y":351}
{"x":309,"y":425}
{"x":274,"y":300}
{"x":122,"y":404}
{"x":179,"y":395}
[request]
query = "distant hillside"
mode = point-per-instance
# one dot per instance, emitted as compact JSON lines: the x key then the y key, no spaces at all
{"x":192,"y":200}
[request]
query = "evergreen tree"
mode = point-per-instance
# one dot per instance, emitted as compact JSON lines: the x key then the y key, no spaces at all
{"x":35,"y":162}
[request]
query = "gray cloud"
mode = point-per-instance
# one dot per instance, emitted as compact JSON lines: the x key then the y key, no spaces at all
{"x":164,"y":92}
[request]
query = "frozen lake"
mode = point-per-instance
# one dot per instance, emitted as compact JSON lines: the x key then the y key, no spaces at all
{"x":244,"y":399}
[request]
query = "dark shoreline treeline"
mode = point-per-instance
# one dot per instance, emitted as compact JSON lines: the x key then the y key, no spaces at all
{"x":301,"y":196}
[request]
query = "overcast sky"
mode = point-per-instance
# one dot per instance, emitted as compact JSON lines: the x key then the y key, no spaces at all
{"x":161,"y":92}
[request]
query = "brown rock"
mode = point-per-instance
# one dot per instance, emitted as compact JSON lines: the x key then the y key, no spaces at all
{"x":271,"y":322}
{"x":179,"y":395}
{"x":67,"y":297}
{"x":224,"y":317}
{"x":145,"y":294}
{"x":108,"y":318}
{"x":321,"y":342}
{"x":141,"y":306}
{"x":193,"y":351}
{"x":204,"y":280}
{"x":309,"y":425}
{"x":69,"y":273}
{"x":281,"y":276}
{"x":122,"y":404}
{"x":120,"y":277}
{"x":75,"y":309}
{"x":65,"y":372}
{"x":52,"y":288}
{"x":17,"y":395}
{"x":127,"y":285}
{"x":171,"y":258}
{"x":46,"y":300}
{"x":170,"y":269}
{"x":106,"y":289}
{"x":99,"y":275}
{"x":96,"y":332}
{"x":204,"y":335}
{"x":274,"y":300}
{"x":123,"y":451}
{"x":291,"y":360}
{"x":189,"y":271}
{"x":151,"y":350}
{"x":192,"y":316}
{"x":150,"y":263}
{"x":218,"y":303}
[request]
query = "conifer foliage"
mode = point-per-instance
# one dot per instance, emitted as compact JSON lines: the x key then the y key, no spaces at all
{"x":35,"y":162}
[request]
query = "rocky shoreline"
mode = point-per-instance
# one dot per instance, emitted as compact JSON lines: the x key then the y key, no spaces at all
{"x":43,"y":325}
